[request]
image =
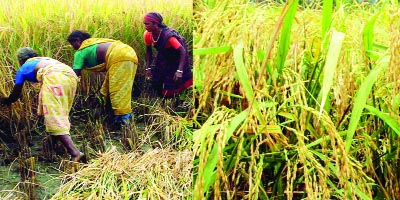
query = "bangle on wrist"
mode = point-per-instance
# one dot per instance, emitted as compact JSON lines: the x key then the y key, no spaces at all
{"x":180,"y":71}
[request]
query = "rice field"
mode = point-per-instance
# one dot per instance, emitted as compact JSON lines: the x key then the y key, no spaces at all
{"x":29,"y":169}
{"x":297,"y":100}
{"x":292,"y":100}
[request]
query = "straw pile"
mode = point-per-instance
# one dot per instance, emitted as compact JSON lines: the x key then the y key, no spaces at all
{"x":157,"y":174}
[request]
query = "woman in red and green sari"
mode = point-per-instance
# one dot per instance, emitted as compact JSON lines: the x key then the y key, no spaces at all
{"x":172,"y":72}
{"x":117,"y":59}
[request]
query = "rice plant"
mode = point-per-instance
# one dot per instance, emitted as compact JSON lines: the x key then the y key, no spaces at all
{"x":293,"y":100}
{"x":44,"y":26}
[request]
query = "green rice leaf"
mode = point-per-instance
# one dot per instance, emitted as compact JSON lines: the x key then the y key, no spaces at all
{"x":199,"y":76}
{"x":361,"y":98}
{"x":244,"y":79}
{"x":273,"y":129}
{"x":210,"y":3}
{"x":389,"y":120}
{"x":234,"y":124}
{"x":330,"y":67}
{"x":326,"y":16}
{"x":368,"y":33}
{"x":396,"y":102}
{"x":359,"y":193}
{"x":323,"y":139}
{"x":380,"y":47}
{"x":261,"y":55}
{"x":284,"y":40}
{"x":287,"y":115}
{"x":390,"y":156}
{"x":242,"y":72}
{"x":211,"y":50}
{"x":124,"y":188}
{"x":209,"y":173}
{"x":374,"y":55}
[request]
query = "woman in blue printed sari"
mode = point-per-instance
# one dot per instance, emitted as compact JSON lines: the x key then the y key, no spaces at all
{"x":58,"y":87}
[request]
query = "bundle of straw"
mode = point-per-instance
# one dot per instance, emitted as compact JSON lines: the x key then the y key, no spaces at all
{"x":157,"y":174}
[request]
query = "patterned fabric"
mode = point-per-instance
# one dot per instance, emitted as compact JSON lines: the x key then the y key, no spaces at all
{"x":118,"y":85}
{"x":167,"y":62}
{"x":120,"y":66}
{"x":56,"y":95}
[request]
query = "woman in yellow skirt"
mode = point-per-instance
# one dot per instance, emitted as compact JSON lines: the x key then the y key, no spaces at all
{"x":117,"y":59}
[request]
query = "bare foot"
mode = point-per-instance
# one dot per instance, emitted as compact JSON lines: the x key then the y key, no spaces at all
{"x":78,"y":158}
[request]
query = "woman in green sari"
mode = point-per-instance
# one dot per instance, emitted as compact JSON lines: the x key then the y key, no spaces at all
{"x":117,"y":59}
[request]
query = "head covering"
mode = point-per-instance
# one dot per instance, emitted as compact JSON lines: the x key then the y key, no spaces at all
{"x":156,"y":18}
{"x":25,"y":53}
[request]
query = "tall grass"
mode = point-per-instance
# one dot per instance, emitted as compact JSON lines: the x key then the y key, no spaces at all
{"x":298,"y":107}
{"x":44,"y":25}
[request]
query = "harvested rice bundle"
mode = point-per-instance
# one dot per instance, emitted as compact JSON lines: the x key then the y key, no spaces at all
{"x":159,"y":174}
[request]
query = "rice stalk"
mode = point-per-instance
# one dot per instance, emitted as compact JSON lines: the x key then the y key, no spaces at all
{"x":160,"y":173}
{"x":169,"y":129}
{"x":304,"y":156}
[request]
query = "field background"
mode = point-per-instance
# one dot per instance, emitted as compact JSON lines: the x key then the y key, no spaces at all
{"x":44,"y":26}
{"x":158,"y":132}
{"x":297,"y":100}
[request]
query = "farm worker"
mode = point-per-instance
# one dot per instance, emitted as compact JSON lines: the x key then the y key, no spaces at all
{"x":172,"y":66}
{"x":58,"y":87}
{"x":117,"y":59}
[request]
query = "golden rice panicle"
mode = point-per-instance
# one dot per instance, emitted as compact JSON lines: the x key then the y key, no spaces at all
{"x":394,"y":66}
{"x":393,"y":78}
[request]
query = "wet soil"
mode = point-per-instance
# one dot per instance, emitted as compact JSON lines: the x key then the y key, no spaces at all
{"x":48,"y":174}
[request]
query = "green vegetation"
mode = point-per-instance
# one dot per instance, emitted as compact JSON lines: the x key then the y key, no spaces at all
{"x":296,"y":101}
{"x":157,"y":132}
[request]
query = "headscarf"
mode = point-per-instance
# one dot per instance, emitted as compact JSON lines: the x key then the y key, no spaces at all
{"x":156,"y":18}
{"x":25,"y":53}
